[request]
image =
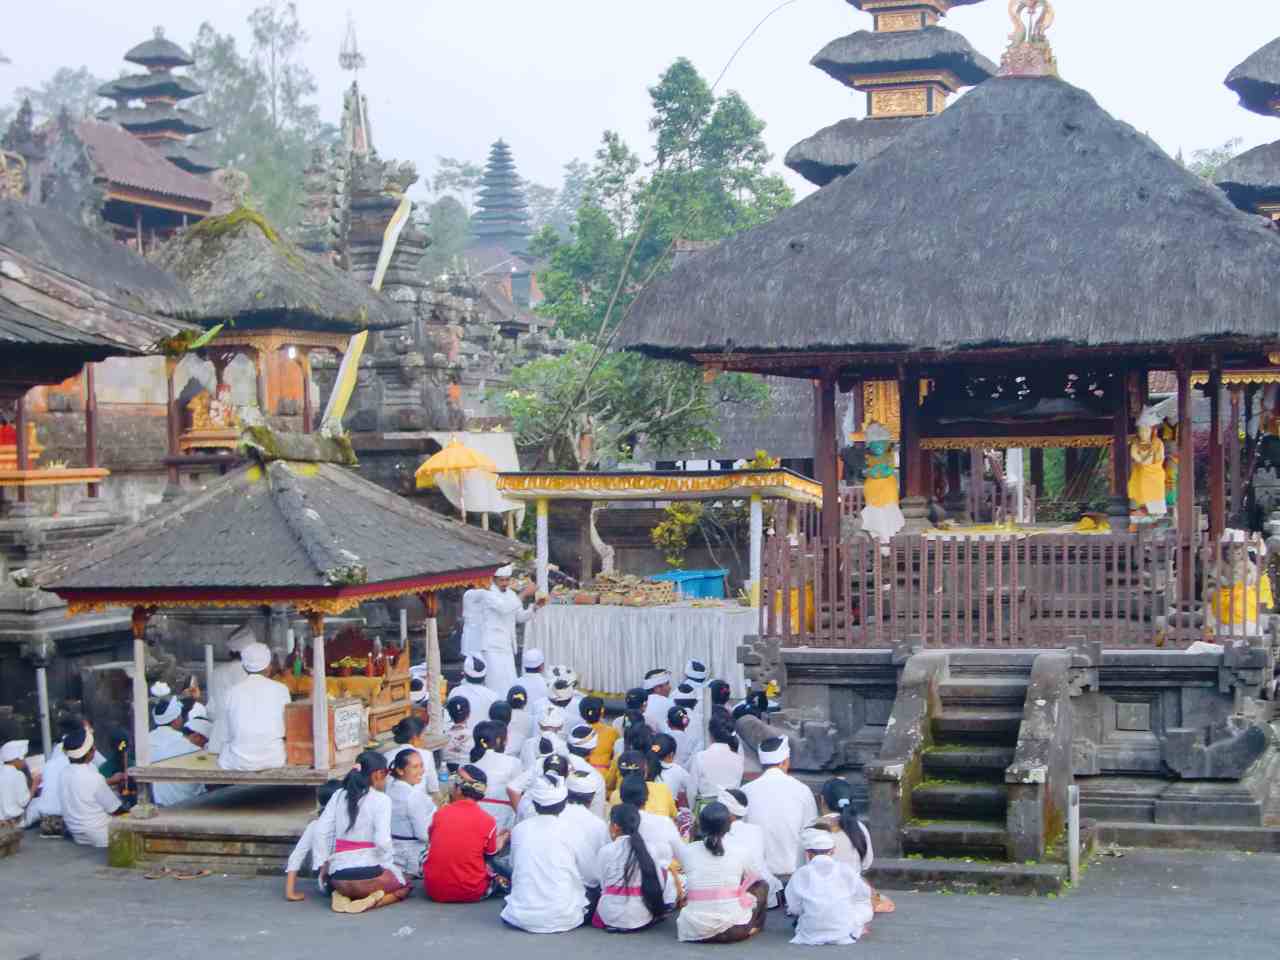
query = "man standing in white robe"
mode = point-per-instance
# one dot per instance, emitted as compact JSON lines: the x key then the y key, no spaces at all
{"x":473,"y":622}
{"x":503,"y":608}
{"x":252,"y":723}
{"x":782,"y":806}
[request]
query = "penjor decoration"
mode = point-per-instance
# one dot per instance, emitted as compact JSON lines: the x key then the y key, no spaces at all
{"x":881,"y":517}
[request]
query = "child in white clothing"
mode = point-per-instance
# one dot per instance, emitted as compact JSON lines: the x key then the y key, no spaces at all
{"x":829,"y":899}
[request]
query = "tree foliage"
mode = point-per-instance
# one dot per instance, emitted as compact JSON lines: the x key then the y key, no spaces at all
{"x":72,"y":89}
{"x":1206,"y":162}
{"x":448,"y":228}
{"x":458,"y":178}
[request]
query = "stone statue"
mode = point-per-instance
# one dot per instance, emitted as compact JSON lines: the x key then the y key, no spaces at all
{"x":1146,"y":469}
{"x":881,"y":517}
{"x":1239,"y":589}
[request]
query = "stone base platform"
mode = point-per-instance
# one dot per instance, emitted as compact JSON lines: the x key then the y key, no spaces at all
{"x":244,"y":831}
{"x":976,"y":876}
{"x":1178,"y":837}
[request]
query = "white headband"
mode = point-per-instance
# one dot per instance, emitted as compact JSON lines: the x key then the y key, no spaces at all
{"x":696,"y":671}
{"x":657,"y":680}
{"x":552,"y":717}
{"x":548,"y":790}
{"x":167,"y":712}
{"x":731,"y":803}
{"x":533,"y":658}
{"x":475,"y":668}
{"x":14,"y":750}
{"x":507,"y":571}
{"x":582,"y":784}
{"x":587,"y":742}
{"x":83,"y":749}
{"x":160,"y":690}
{"x":200,"y":725}
{"x":771,"y":758}
{"x":811,"y":838}
{"x":256,"y":657}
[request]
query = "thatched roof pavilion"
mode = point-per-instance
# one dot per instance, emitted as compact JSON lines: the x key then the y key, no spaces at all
{"x":933,"y":48}
{"x":1252,"y":180}
{"x":1257,"y":80}
{"x":842,"y":147}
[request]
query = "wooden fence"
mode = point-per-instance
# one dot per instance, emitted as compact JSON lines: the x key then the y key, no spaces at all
{"x":1014,"y":590}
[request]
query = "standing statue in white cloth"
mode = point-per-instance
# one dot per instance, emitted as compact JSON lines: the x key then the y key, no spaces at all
{"x":501,"y":609}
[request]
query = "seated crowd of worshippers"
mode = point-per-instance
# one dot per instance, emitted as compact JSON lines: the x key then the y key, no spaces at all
{"x":575,"y":820}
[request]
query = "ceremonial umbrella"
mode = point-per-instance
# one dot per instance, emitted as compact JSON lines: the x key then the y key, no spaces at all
{"x":455,"y":461}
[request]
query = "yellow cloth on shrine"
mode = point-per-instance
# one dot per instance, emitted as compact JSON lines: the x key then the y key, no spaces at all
{"x":881,"y":491}
{"x":1239,"y":603}
{"x":365,"y":688}
{"x":1146,"y":483}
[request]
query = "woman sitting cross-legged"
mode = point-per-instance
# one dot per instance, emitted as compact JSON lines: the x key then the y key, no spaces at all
{"x":353,"y":841}
{"x":724,"y":901}
{"x":635,"y":892}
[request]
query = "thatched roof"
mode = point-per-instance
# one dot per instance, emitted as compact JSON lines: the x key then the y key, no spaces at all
{"x":931,"y":48}
{"x":282,"y":525}
{"x":159,"y":52}
{"x":238,"y":268}
{"x":155,"y":117}
{"x":1252,"y":176}
{"x":1023,"y":214}
{"x":840,"y":148}
{"x":1257,"y":80}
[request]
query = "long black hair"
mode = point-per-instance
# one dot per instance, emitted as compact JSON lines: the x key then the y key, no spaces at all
{"x":591,"y":709}
{"x":838,"y":796}
{"x":500,"y":712}
{"x":664,"y":745}
{"x":407,"y":729}
{"x":518,"y":697}
{"x":626,"y":817}
{"x":358,"y":782}
{"x":722,"y":731}
{"x":458,"y":708}
{"x":634,"y":790}
{"x":713,"y":823}
{"x":488,"y":736}
{"x":638,"y":738}
{"x":720,"y":693}
{"x":634,"y":762}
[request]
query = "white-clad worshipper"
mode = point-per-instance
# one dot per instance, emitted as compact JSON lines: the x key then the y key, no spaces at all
{"x":829,"y":899}
{"x":353,"y":841}
{"x":725,"y":902}
{"x":303,"y":848}
{"x":696,"y":673}
{"x":717,"y":767}
{"x":87,"y":801}
{"x":582,"y":741}
{"x":412,"y":811}
{"x":473,"y":622}
{"x":548,"y":894}
{"x":659,"y":832}
{"x":562,"y":692}
{"x":684,"y":726}
{"x":17,"y":788}
{"x":411,"y":732}
{"x":167,"y":742}
{"x":782,"y":806}
{"x":503,"y":608}
{"x":49,"y":803}
{"x":532,"y":678}
{"x":748,"y":839}
{"x":500,"y":769}
{"x":586,"y":831}
{"x":228,"y":674}
{"x":253,"y":718}
{"x":520,"y":724}
{"x":657,"y":683}
{"x":473,"y":689}
{"x":551,"y":723}
{"x":635,"y":891}
{"x":197,"y":727}
{"x":548,"y":762}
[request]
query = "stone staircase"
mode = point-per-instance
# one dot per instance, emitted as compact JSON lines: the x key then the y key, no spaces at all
{"x":960,"y":807}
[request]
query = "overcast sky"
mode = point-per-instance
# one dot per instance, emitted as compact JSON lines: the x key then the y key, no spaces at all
{"x":447,"y":77}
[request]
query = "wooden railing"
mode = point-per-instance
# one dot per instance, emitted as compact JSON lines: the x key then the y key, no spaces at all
{"x":1015,"y":590}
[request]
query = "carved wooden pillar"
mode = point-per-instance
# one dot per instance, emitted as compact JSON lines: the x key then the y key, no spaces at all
{"x":260,"y":377}
{"x":22,"y":440}
{"x":1217,"y":485}
{"x":1186,"y":483}
{"x":303,"y":360}
{"x":1234,"y":456}
{"x":1037,"y":471}
{"x":171,"y":417}
{"x":825,"y":457}
{"x":319,"y":693}
{"x":90,"y":424}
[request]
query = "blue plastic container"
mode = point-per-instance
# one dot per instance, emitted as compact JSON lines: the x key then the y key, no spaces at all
{"x":696,"y":584}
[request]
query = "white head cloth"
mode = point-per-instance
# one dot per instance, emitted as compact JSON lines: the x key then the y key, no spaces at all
{"x":201,"y":726}
{"x":811,"y":838}
{"x":1148,"y":417}
{"x":876,"y":433}
{"x":474,"y":668}
{"x":240,"y":638}
{"x":560,"y":691}
{"x":160,"y":690}
{"x":256,"y":657}
{"x":83,"y":750}
{"x":696,"y":671}
{"x":198,"y":711}
{"x":657,"y":680}
{"x":548,"y":790}
{"x":551,"y":718}
{"x":13,"y":750}
{"x":421,"y":694}
{"x":770,"y":758}
{"x":582,"y":784}
{"x":731,"y":803}
{"x":686,"y":691}
{"x":507,"y":571}
{"x":533,"y":659}
{"x":585,"y":742}
{"x":167,"y":711}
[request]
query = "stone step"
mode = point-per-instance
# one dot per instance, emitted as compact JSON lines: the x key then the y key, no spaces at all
{"x":985,"y":725}
{"x":957,"y":838}
{"x":967,"y":762}
{"x":967,"y":801}
{"x":982,"y":691}
{"x":958,"y":876}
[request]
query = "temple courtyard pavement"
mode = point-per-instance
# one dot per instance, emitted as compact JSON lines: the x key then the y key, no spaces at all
{"x":63,"y":903}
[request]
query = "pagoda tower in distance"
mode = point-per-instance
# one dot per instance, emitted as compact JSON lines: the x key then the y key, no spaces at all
{"x":502,"y":219}
{"x":146,"y":104}
{"x":1252,"y":180}
{"x":907,"y":67}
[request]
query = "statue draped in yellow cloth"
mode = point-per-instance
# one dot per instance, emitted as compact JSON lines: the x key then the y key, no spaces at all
{"x":881,"y":517}
{"x":1146,"y":468}
{"x":1241,"y":591}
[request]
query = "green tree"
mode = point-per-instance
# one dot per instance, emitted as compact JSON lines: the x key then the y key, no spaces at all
{"x":72,"y":89}
{"x":461,"y":178}
{"x":448,"y":228}
{"x":1206,"y":162}
{"x":574,"y":192}
{"x":542,"y":201}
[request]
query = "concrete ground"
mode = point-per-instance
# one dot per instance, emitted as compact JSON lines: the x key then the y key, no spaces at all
{"x":65,"y":903}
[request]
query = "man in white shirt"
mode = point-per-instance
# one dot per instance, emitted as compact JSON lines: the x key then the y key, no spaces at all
{"x":16,"y":790}
{"x":473,"y":689}
{"x":167,"y":742}
{"x":87,"y":801}
{"x":547,"y":890}
{"x":551,"y":722}
{"x":226,"y":676}
{"x":582,"y":740}
{"x":696,"y":674}
{"x":748,"y":840}
{"x":473,"y":622}
{"x":252,"y":725}
{"x":532,"y":679}
{"x":562,"y":692}
{"x":586,"y":831}
{"x":657,"y":683}
{"x":782,"y":806}
{"x":503,"y":608}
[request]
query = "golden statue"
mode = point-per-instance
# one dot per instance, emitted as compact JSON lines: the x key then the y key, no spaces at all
{"x":214,"y":413}
{"x":1146,"y":468}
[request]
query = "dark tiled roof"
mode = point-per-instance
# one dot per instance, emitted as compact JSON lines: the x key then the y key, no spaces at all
{"x":155,"y":117}
{"x":139,"y":85}
{"x":159,"y":52}
{"x":120,"y":157}
{"x":283,"y":525}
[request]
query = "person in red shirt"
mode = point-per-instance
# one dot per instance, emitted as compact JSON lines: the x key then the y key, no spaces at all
{"x":462,"y":836}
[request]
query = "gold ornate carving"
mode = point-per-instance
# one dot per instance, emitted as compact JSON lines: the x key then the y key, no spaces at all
{"x":880,"y":405}
{"x":899,"y":21}
{"x":867,"y":81}
{"x":1014,"y":443}
{"x":214,"y":413}
{"x":1239,"y":377}
{"x":910,"y":102}
{"x":13,"y":175}
{"x":735,"y":484}
{"x":939,"y":6}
